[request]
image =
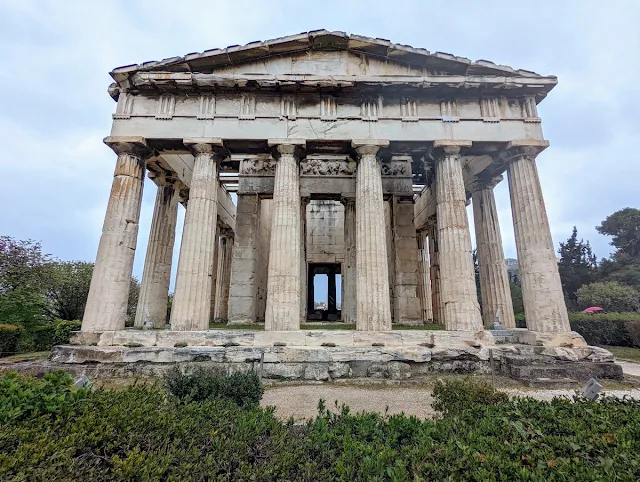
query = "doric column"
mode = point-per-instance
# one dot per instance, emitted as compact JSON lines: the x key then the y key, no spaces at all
{"x":544,"y":305}
{"x":154,"y":289}
{"x":331,"y":292}
{"x":373,"y":311}
{"x":405,"y":301}
{"x":304,"y":202}
{"x":106,"y":307}
{"x":494,"y":279}
{"x":215,"y":272}
{"x":245,"y":261}
{"x":434,"y":271}
{"x":457,"y":277}
{"x":225,"y":251}
{"x":349,"y":277}
{"x":191,"y":307}
{"x":283,"y":279}
{"x":424,"y":277}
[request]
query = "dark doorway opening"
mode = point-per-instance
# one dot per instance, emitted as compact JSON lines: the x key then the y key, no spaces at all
{"x":320,"y":306}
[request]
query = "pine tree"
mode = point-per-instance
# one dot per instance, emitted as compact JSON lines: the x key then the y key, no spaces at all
{"x":577,"y":267}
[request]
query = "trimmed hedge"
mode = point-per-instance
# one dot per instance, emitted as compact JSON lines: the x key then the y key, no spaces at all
{"x":45,"y":336}
{"x":9,"y":336}
{"x":614,"y":329}
{"x":142,"y":434}
{"x":243,"y":389}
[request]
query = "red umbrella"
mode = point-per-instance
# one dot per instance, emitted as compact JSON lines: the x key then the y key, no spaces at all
{"x":593,"y":309}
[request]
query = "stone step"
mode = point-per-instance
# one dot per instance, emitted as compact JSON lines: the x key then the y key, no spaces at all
{"x":579,"y":371}
{"x":526,"y":360}
{"x":551,"y":382}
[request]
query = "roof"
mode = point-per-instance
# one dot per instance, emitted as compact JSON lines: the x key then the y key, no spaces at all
{"x":210,"y":60}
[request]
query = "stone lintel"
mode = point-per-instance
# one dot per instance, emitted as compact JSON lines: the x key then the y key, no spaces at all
{"x":286,"y":141}
{"x":128,"y":145}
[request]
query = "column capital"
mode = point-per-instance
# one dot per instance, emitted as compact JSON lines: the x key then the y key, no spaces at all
{"x":485,"y":182}
{"x":287,"y":146}
{"x":369,"y":146}
{"x":451,"y":146}
{"x":134,"y":145}
{"x":523,"y":148}
{"x":204,"y":145}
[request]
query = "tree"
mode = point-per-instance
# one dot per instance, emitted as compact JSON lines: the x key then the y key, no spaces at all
{"x":610,"y":295}
{"x":25,"y":275}
{"x":624,"y":227}
{"x":624,"y":265}
{"x":577,"y":267}
{"x":516,"y":297}
{"x":70,"y":288}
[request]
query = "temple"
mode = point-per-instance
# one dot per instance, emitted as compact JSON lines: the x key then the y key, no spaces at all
{"x":349,"y":156}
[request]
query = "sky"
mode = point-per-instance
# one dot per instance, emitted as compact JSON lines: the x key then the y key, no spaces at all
{"x":56,"y":57}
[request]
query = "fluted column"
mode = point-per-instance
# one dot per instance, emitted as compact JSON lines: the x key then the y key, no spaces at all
{"x":303,"y":259}
{"x":215,"y":272}
{"x":106,"y":307}
{"x":434,"y":272}
{"x":191,"y":307}
{"x":223,"y":278}
{"x":544,"y":305}
{"x":494,"y":279}
{"x":424,"y":277}
{"x":457,"y":277}
{"x":154,"y":289}
{"x":283,"y":279}
{"x":349,"y":276}
{"x":373,"y":311}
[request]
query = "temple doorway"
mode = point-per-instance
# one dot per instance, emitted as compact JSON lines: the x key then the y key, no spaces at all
{"x":324,"y":290}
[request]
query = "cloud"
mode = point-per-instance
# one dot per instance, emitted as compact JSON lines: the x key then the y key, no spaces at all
{"x":56,"y":57}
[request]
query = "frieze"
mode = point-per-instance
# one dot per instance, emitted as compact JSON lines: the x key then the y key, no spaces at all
{"x":258,"y":166}
{"x":395,"y":169}
{"x":322,"y":167}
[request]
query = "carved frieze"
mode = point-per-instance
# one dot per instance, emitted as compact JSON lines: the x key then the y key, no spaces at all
{"x":258,"y":166}
{"x":166,"y":107}
{"x":397,"y":166}
{"x":207,"y":106}
{"x":327,"y":167}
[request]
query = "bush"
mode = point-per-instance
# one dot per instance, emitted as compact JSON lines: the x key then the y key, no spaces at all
{"x":243,"y":389}
{"x":9,"y":336}
{"x":613,"y":329}
{"x":610,"y":295}
{"x":454,"y":396}
{"x":27,"y":397}
{"x":141,"y":434}
{"x":63,"y":329}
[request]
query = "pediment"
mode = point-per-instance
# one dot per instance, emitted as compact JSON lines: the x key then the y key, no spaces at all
{"x":324,"y":63}
{"x":323,"y":51}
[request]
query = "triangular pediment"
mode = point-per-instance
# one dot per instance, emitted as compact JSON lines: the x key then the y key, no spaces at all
{"x":325,"y":63}
{"x":326,"y":53}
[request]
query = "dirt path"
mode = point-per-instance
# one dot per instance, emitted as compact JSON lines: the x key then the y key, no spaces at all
{"x":301,"y":401}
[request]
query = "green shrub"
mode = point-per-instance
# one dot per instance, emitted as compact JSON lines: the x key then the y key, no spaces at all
{"x":610,"y":295}
{"x":63,"y":329}
{"x":605,"y":328}
{"x":454,"y":396}
{"x":243,"y":389}
{"x":142,"y":434}
{"x":9,"y":336}
{"x":26,"y":397}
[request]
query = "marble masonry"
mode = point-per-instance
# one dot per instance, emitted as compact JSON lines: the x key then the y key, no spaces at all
{"x":349,"y":156}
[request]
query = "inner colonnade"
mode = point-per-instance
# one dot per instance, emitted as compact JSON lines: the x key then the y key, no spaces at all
{"x":400,"y":139}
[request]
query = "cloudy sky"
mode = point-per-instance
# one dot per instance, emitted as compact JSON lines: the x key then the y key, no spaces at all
{"x":55,"y":57}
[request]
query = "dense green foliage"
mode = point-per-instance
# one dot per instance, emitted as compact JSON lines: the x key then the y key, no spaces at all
{"x":615,"y":329}
{"x":28,"y":398}
{"x":37,"y":291}
{"x":243,"y":389}
{"x":144,"y":434}
{"x":577,"y":267}
{"x":9,"y":337}
{"x":454,"y":396}
{"x":610,"y":295}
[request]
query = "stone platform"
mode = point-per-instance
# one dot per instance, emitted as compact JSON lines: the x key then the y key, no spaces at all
{"x":328,"y":355}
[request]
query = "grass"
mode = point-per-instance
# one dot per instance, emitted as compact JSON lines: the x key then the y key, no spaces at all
{"x":624,"y":353}
{"x":23,"y":357}
{"x":322,"y":326}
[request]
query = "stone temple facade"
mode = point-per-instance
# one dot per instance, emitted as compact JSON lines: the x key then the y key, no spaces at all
{"x":349,"y":155}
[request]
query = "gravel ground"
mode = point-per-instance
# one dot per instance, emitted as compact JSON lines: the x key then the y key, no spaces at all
{"x":301,"y":401}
